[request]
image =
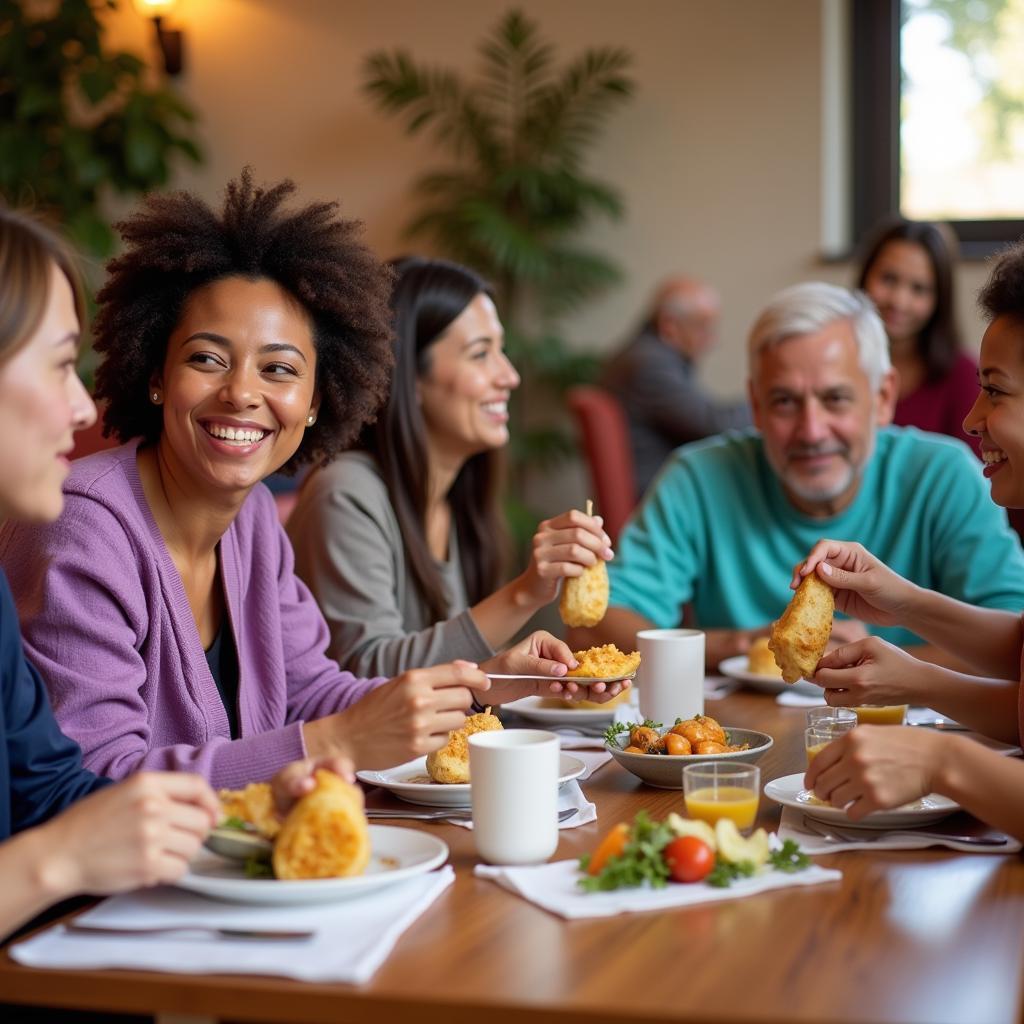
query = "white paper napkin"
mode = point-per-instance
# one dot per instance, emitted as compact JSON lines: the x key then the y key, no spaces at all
{"x":574,"y":740}
{"x":570,"y":796}
{"x":792,"y":827}
{"x":353,"y":937}
{"x":553,"y":887}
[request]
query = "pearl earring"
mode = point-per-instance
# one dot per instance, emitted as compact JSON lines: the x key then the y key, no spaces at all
{"x":156,"y":397}
{"x":310,"y":420}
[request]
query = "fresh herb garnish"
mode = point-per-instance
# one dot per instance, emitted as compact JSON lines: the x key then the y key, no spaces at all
{"x":641,"y":861}
{"x":723,"y":874}
{"x":790,"y":858}
{"x":615,"y":730}
{"x":237,"y":824}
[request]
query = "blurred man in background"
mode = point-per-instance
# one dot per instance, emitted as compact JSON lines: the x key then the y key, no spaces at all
{"x":655,"y":377}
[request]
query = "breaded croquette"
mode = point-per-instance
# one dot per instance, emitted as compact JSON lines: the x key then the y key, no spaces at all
{"x":585,"y":597}
{"x":799,"y":638}
{"x":450,"y":764}
{"x":325,"y":834}
{"x":254,"y":805}
{"x":606,"y":662}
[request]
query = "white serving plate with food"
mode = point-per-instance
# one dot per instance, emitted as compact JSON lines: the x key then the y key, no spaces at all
{"x":411,"y":783}
{"x":532,"y":709}
{"x":789,"y":791}
{"x":665,"y":771}
{"x":736,"y":668}
{"x":396,"y":854}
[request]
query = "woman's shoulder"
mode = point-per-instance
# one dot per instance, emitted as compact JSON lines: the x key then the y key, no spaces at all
{"x":352,"y":479}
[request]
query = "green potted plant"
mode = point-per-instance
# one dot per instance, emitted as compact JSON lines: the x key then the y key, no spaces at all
{"x":76,"y":120}
{"x":516,"y":198}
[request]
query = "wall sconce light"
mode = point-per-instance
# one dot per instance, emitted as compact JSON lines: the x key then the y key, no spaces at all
{"x":171,"y":41}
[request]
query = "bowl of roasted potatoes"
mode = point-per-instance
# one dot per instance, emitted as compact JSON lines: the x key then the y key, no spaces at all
{"x":657,"y":753}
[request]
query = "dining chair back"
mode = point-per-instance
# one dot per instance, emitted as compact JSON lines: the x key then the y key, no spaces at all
{"x":604,"y":434}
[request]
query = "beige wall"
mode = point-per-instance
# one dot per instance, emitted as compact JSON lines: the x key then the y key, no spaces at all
{"x":718,"y":155}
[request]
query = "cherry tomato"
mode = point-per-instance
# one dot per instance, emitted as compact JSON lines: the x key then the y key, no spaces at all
{"x":689,"y":859}
{"x":611,"y":846}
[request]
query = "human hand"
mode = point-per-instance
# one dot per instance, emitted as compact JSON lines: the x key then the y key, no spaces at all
{"x":875,"y":767}
{"x":543,"y":654}
{"x":871,"y":671}
{"x":562,"y":547}
{"x":406,"y":717}
{"x":295,"y":780}
{"x":865,"y":587}
{"x":136,"y":833}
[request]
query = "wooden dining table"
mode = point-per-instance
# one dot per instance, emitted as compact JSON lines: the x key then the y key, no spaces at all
{"x":906,"y":937}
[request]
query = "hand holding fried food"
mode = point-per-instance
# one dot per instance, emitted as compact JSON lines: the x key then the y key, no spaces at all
{"x":799,"y":638}
{"x":324,"y":835}
{"x":585,"y":597}
{"x":450,"y":764}
{"x":606,"y":662}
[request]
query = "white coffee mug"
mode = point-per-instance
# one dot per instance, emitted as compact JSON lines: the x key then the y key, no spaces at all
{"x":670,"y":680}
{"x":514,"y":788}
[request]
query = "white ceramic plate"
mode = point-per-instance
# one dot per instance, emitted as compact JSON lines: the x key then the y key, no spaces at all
{"x":398,"y":853}
{"x":436,"y":794}
{"x":736,"y":668}
{"x":532,"y":710}
{"x":790,"y":792}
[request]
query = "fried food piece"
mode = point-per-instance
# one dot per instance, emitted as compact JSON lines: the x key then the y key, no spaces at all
{"x":799,"y":637}
{"x":325,"y":834}
{"x":606,"y":662}
{"x":585,"y":597}
{"x":701,"y":729}
{"x":451,"y":763}
{"x":254,"y":805}
{"x":761,"y":660}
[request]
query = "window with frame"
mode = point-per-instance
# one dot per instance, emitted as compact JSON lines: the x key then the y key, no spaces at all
{"x":938,"y":116}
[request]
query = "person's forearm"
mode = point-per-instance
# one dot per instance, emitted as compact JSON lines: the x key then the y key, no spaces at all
{"x":934,"y":655}
{"x":988,"y":706}
{"x":501,"y":615}
{"x":983,"y":782}
{"x":31,"y":883}
{"x":988,"y":640}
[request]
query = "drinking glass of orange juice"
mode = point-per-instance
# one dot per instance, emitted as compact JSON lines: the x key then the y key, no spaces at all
{"x":716,"y":790}
{"x":828,"y":715}
{"x":881,"y":714}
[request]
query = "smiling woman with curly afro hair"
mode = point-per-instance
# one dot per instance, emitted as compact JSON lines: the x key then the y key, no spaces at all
{"x":173,"y":633}
{"x":176,"y":245}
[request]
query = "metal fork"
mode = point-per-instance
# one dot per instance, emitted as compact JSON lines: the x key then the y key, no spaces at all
{"x":850,"y":835}
{"x":221,"y":933}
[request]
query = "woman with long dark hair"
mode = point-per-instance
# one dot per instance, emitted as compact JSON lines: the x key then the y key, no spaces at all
{"x":908,"y":273}
{"x":400,"y":540}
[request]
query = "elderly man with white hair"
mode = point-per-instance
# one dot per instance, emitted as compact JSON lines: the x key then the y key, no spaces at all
{"x":729,"y":517}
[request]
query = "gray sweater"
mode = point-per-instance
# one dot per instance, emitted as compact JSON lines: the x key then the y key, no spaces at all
{"x":349,"y":552}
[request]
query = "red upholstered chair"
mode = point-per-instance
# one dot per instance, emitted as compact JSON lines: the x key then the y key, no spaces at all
{"x":605,"y":438}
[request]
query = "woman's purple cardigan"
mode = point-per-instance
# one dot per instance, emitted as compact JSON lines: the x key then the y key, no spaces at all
{"x":110,"y":630}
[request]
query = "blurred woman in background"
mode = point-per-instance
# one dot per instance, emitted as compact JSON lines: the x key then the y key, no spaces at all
{"x":400,"y":540}
{"x":908,"y":274}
